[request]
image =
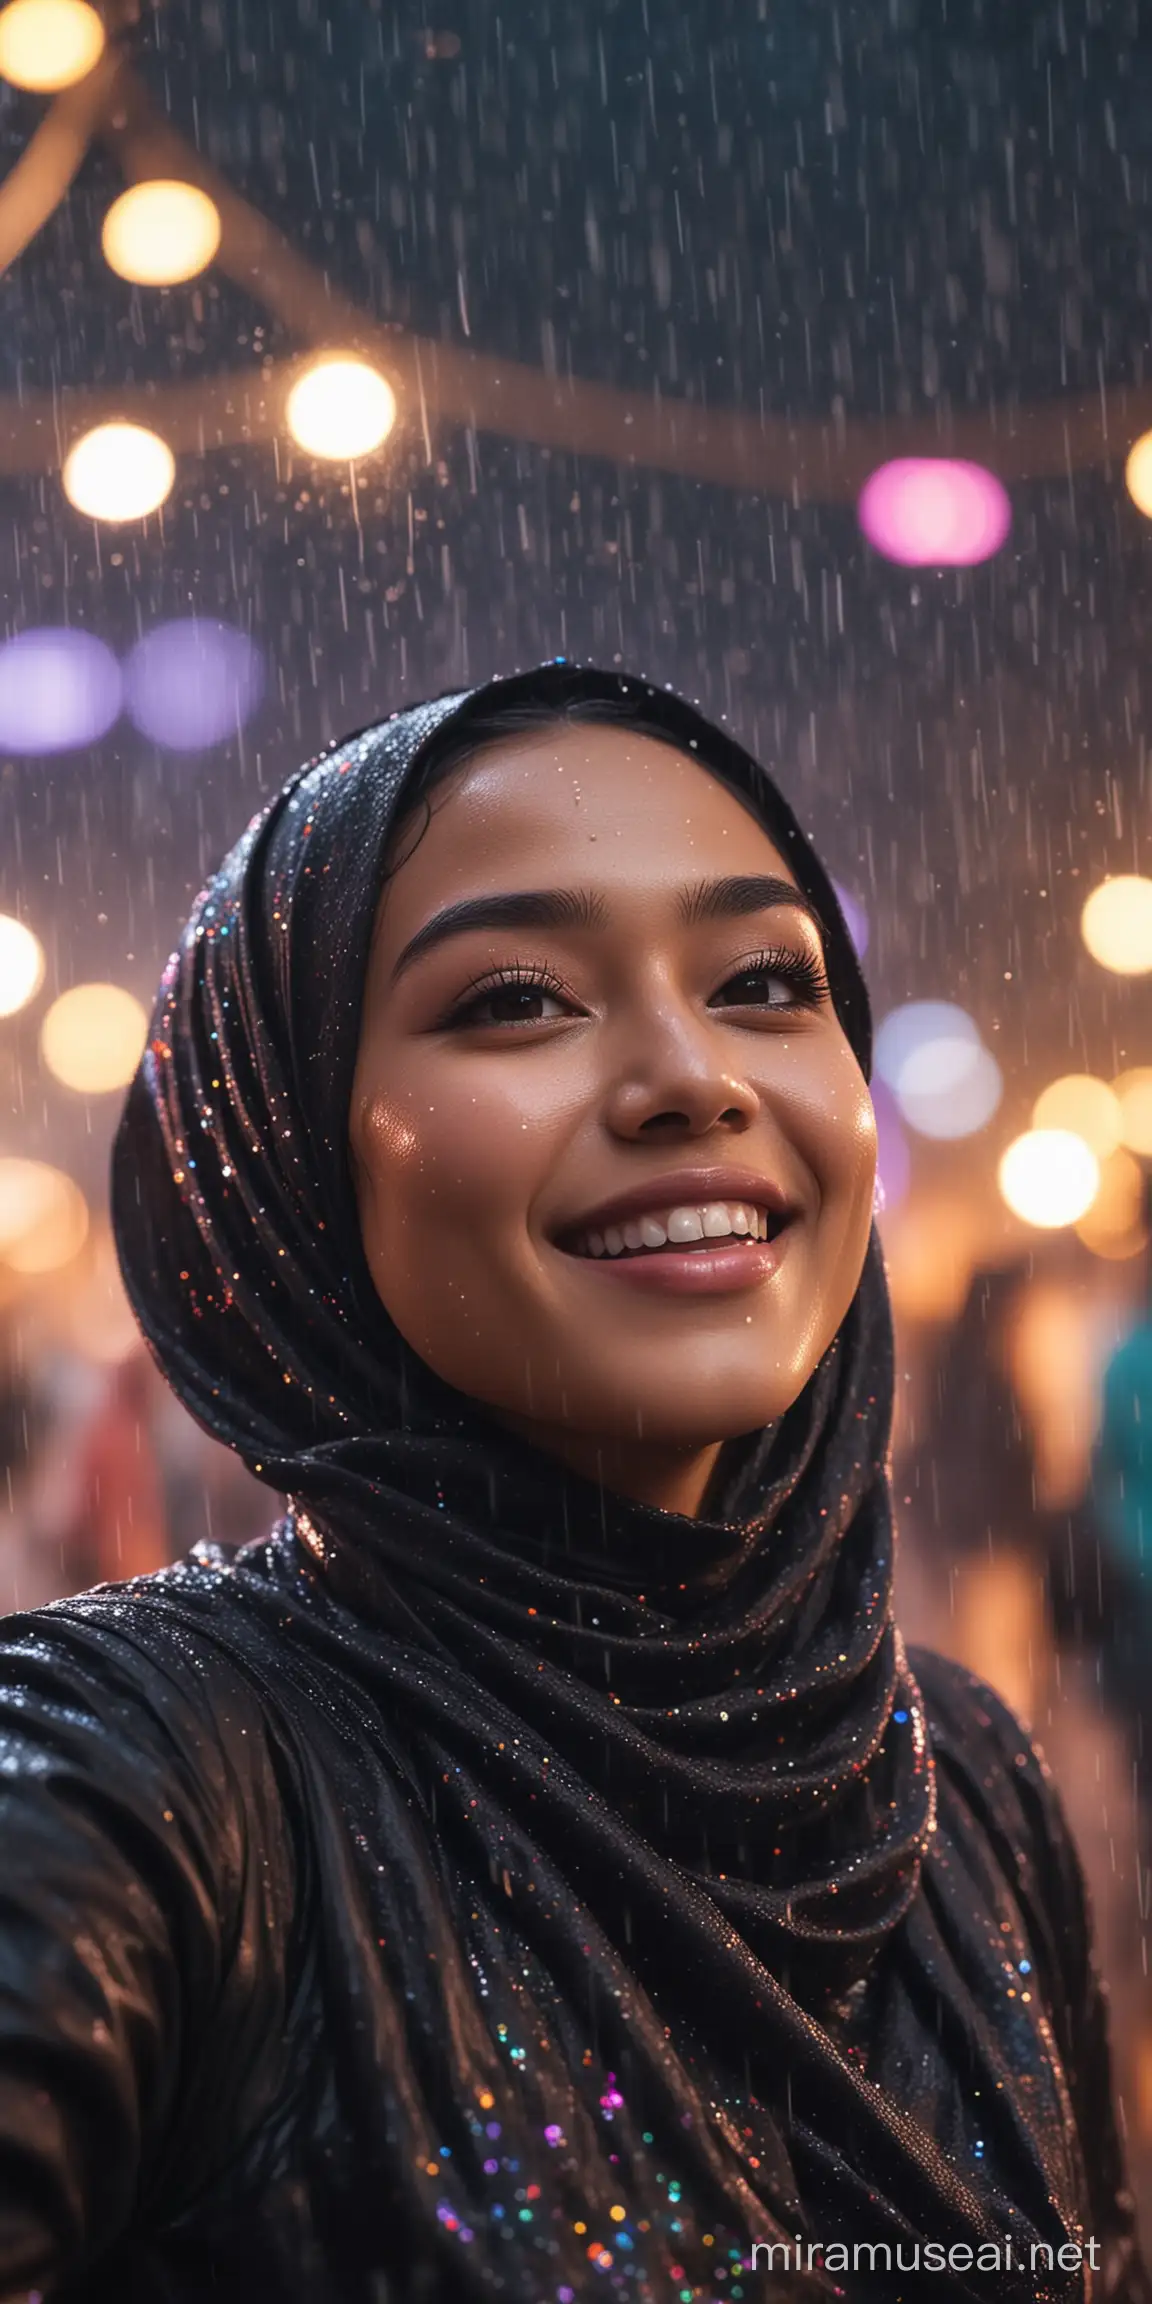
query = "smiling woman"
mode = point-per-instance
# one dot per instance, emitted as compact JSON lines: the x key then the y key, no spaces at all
{"x":544,"y":1071}
{"x":536,"y":1868}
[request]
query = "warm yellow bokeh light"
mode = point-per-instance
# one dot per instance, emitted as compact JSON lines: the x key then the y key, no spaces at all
{"x":48,"y":44}
{"x":1083,"y":1104}
{"x":1114,"y":1224}
{"x":930,"y":1248}
{"x":119,"y":472}
{"x":92,"y":1038}
{"x":160,"y":232}
{"x":1049,"y":1177}
{"x":21,"y":965}
{"x":341,"y":408}
{"x":1138,"y":474}
{"x":43,"y":1217}
{"x":1116,"y":924}
{"x":1133,"y":1093}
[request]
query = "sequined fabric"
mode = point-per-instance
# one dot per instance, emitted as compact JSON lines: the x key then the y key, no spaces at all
{"x":570,"y":1897}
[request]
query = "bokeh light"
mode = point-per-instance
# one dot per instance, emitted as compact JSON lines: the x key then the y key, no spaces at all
{"x":92,"y":1038}
{"x":21,"y":965}
{"x":49,"y":44}
{"x":58,"y":689}
{"x":934,"y":512}
{"x":1113,"y":1227}
{"x":1138,"y":474}
{"x":1089,"y":1107}
{"x":161,"y":232}
{"x":192,"y":683}
{"x":1133,"y":1093}
{"x":341,"y":408}
{"x":855,"y":918}
{"x":919,"y":1023}
{"x":929,"y":1253}
{"x":948,"y":1089}
{"x":119,"y":472}
{"x":1049,"y":1177}
{"x":1116,"y":924}
{"x":43,"y":1217}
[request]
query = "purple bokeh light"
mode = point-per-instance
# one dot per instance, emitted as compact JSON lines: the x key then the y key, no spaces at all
{"x":855,"y":918}
{"x":934,"y":512}
{"x":59,"y":689}
{"x":894,"y":1161}
{"x":193,"y":683}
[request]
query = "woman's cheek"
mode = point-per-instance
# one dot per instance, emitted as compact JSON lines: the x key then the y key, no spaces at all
{"x":823,"y":1107}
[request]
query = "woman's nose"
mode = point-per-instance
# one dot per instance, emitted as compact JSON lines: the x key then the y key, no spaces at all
{"x":675,"y":1081}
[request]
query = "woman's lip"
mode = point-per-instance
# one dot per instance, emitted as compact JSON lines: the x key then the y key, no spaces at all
{"x":724,"y":1268}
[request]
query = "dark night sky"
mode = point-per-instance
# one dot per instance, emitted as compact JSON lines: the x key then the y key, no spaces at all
{"x":815,"y":209}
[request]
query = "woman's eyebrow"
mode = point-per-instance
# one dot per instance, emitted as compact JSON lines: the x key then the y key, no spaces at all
{"x":582,"y":908}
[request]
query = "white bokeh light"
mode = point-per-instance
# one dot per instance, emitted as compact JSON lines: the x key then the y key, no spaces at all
{"x":1049,"y":1177}
{"x":948,"y":1089}
{"x":21,"y":965}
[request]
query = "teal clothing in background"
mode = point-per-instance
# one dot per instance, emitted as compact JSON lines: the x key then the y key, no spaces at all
{"x":1123,"y":1471}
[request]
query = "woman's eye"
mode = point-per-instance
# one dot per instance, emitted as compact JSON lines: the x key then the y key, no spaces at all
{"x":787,"y":983}
{"x":517,"y":998}
{"x":512,"y":1004}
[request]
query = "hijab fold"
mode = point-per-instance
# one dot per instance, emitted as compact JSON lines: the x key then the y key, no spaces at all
{"x":685,"y":1762}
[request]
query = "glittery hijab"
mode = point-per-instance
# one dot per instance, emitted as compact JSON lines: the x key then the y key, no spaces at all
{"x":680,"y":1764}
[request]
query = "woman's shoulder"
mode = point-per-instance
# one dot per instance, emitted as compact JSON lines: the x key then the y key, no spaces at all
{"x":150,"y":1667}
{"x":987,"y":1753}
{"x":994,"y":1785}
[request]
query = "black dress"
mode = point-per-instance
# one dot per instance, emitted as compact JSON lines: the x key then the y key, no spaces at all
{"x":196,"y":2023}
{"x":488,"y":1887}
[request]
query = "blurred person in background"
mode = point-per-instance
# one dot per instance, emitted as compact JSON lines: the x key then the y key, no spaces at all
{"x":119,"y":1527}
{"x":1120,"y":1517}
{"x":26,"y":1573}
{"x":985,"y":1564}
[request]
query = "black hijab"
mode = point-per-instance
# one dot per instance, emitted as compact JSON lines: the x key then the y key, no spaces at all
{"x":673,"y":1773}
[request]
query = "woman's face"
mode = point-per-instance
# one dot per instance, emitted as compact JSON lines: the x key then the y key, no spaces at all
{"x":598,"y":1064}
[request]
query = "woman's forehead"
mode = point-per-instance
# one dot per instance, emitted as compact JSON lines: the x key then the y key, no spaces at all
{"x":613,"y":802}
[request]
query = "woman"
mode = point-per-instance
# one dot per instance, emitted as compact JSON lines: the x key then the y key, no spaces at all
{"x":535,"y":1870}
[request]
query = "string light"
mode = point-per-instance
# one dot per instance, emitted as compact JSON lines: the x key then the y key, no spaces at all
{"x":119,"y":472}
{"x":92,"y":1037}
{"x":934,"y":512}
{"x":59,"y":688}
{"x":1087,"y":1106}
{"x":21,"y":965}
{"x":43,"y":1217}
{"x":1116,"y":924}
{"x":948,"y":1089}
{"x":193,"y":682}
{"x":1049,"y":1177}
{"x":1113,"y":1226}
{"x":48,"y":44}
{"x":341,"y":408}
{"x":918,"y":1024}
{"x":1133,"y":1092}
{"x":161,"y":232}
{"x":1138,"y":474}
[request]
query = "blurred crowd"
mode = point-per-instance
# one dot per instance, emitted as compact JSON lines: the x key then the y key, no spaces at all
{"x":1023,"y":1476}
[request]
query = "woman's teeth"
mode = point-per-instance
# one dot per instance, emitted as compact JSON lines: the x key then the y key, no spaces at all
{"x":676,"y":1228}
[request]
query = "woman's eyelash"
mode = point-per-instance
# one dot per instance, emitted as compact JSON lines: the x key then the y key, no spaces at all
{"x":531,"y":975}
{"x":799,"y":969}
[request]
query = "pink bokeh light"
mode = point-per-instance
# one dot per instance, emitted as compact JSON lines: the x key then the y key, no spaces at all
{"x":934,"y":512}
